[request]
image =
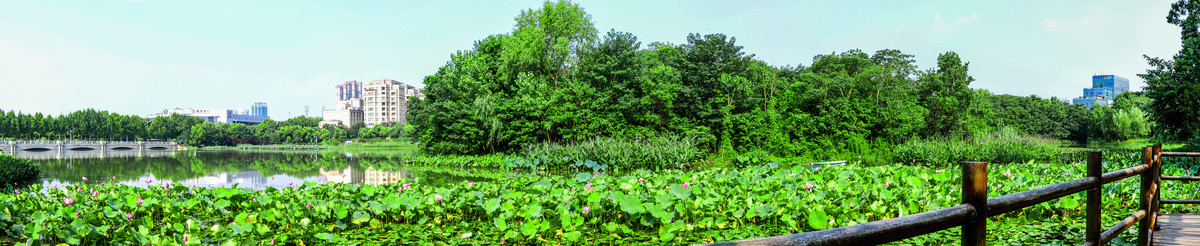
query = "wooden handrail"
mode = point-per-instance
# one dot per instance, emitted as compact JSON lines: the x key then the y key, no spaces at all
{"x":1181,"y":154}
{"x":1017,"y":201}
{"x":875,"y":232}
{"x":1181,"y":178}
{"x":972,"y":214}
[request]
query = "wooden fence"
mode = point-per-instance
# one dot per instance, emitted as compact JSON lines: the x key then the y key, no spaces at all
{"x":971,"y":216}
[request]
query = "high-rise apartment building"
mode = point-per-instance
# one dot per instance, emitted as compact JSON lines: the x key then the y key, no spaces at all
{"x":1104,"y":89}
{"x":349,"y":90}
{"x":259,"y":109}
{"x":386,"y":101}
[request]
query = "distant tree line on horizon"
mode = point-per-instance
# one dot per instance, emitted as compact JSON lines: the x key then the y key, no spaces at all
{"x":90,"y":124}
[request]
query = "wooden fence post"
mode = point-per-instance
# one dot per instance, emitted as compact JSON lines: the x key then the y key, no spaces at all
{"x":1158,"y":164}
{"x":1146,"y":197}
{"x":1094,"y":170}
{"x":974,"y":192}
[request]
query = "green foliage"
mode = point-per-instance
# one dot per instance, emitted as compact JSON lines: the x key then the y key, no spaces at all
{"x":1003,"y":146}
{"x":88,"y":124}
{"x":946,"y":95}
{"x":1046,"y":117}
{"x":13,"y":169}
{"x":558,"y":83}
{"x":1171,"y":84}
{"x":641,"y":207}
{"x":622,"y":154}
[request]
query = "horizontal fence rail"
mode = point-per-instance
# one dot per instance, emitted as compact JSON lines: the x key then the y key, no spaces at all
{"x":972,"y":214}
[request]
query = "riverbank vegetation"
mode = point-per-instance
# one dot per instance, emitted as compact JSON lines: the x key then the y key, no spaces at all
{"x":15,"y":170}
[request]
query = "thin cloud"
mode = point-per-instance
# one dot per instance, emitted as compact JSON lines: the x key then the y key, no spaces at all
{"x":944,"y":26}
{"x":964,"y":20}
{"x":1051,"y":23}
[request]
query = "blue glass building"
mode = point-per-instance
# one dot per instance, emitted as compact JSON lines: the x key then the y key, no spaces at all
{"x":259,"y":109}
{"x":1104,"y":89}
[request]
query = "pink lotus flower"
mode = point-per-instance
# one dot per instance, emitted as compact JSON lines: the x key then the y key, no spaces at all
{"x":887,"y":183}
{"x":18,"y":191}
{"x":68,"y":201}
{"x":640,"y":180}
{"x":791,"y":175}
{"x":84,"y":178}
{"x":588,"y":187}
{"x":471,"y":184}
{"x":185,"y":238}
{"x":254,"y":199}
{"x":438,"y":197}
{"x":808,"y":186}
{"x":56,"y":186}
{"x":938,"y":171}
{"x":586,"y":209}
{"x":308,"y":205}
{"x":167,"y":186}
{"x":405,"y":186}
{"x":77,"y":214}
{"x":272,"y":241}
{"x":114,"y":177}
{"x":289,"y":183}
{"x":78,"y":190}
{"x":128,"y":216}
{"x":148,"y":181}
{"x":1007,"y":174}
{"x":685,"y":185}
{"x":139,"y":200}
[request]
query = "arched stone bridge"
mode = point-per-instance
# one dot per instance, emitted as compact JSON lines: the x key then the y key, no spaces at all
{"x":14,"y":146}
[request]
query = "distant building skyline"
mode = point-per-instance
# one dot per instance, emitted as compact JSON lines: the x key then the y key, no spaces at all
{"x":255,"y":115}
{"x":1104,"y":89}
{"x":349,"y":90}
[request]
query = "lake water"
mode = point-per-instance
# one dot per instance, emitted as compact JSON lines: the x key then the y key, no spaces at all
{"x":225,"y":169}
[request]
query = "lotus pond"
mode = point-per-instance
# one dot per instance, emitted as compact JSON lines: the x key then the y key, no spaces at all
{"x":434,"y":204}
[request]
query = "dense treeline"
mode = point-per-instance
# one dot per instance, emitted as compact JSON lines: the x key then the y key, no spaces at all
{"x":554,"y":79}
{"x":86,"y":124}
{"x":91,"y":124}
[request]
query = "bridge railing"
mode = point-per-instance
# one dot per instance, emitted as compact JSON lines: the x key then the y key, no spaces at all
{"x":971,"y":215}
{"x":88,"y":142}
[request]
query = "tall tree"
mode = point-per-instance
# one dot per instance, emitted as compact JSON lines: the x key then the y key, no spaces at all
{"x":1174,"y":85}
{"x":946,"y":94}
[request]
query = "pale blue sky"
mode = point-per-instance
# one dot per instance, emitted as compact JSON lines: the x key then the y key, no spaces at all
{"x":138,"y":57}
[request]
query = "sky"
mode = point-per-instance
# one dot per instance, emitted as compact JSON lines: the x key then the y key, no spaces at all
{"x":141,"y":57}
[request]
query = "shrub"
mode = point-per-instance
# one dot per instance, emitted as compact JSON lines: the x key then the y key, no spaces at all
{"x":1003,"y":146}
{"x":645,"y":153}
{"x":13,"y":169}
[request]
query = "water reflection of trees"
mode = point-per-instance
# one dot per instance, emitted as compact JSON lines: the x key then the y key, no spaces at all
{"x":193,"y":165}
